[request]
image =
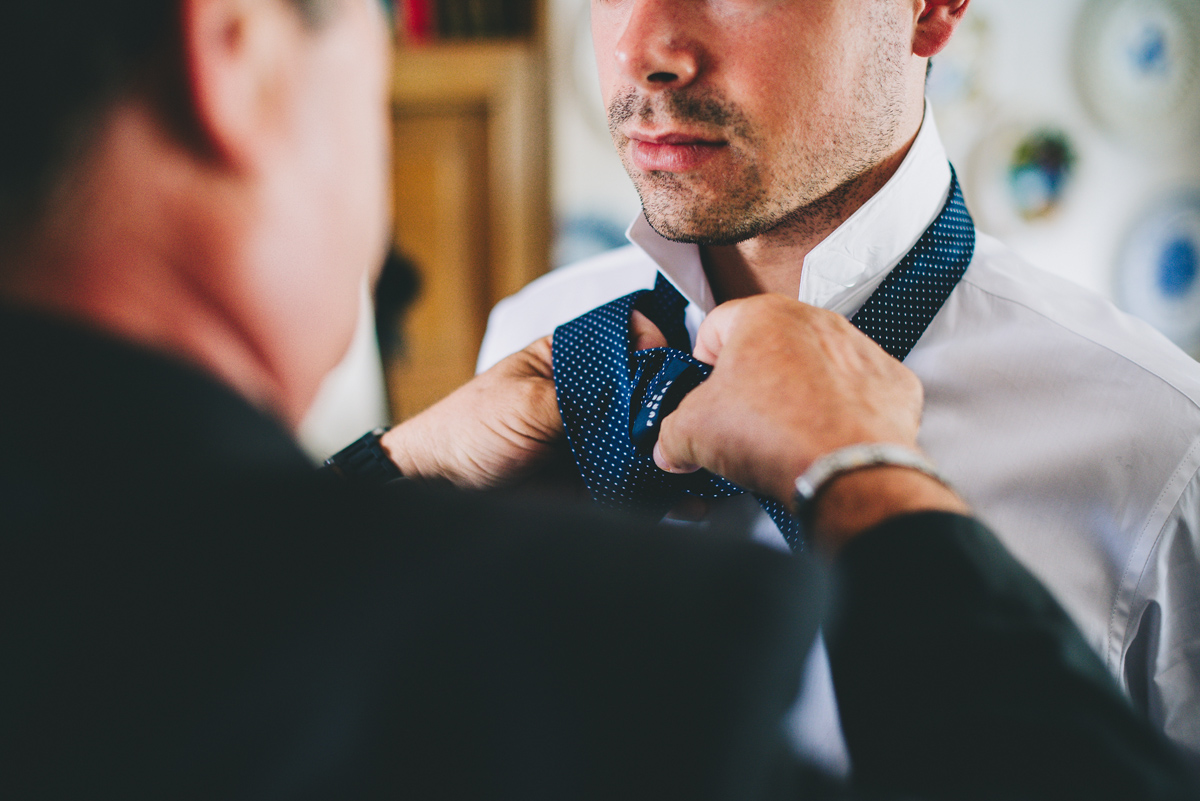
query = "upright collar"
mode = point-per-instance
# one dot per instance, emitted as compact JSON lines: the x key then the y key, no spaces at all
{"x":842,"y":271}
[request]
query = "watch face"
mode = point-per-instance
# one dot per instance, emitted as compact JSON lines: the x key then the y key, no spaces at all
{"x":1137,"y":65}
{"x":1158,"y":271}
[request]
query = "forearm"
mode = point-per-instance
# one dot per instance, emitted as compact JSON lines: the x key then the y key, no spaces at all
{"x":854,"y":502}
{"x":957,"y":672}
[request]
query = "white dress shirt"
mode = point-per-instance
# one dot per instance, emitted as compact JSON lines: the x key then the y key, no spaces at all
{"x":1071,"y":428}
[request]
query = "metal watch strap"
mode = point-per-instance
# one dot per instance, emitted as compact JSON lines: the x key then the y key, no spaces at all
{"x":855,"y":457}
{"x":364,"y":462}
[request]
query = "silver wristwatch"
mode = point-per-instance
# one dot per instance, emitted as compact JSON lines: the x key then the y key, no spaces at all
{"x":855,"y":457}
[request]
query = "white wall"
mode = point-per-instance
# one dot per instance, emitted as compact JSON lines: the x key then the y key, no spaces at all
{"x":588,"y":182}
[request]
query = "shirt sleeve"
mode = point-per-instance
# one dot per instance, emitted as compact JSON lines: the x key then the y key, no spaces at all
{"x":1161,"y":661}
{"x":504,"y":335}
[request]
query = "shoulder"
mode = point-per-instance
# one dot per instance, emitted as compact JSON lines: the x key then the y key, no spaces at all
{"x":560,"y":296}
{"x":1088,"y":412}
{"x":1074,"y":429}
{"x":1032,"y":311}
{"x":1081,"y":404}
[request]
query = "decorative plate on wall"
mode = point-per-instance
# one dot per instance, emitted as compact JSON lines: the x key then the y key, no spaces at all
{"x":1137,"y":64}
{"x":1021,"y":174}
{"x":1158,"y":270}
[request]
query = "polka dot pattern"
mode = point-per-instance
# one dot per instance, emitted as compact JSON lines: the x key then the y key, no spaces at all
{"x":594,"y":368}
{"x":900,"y":310}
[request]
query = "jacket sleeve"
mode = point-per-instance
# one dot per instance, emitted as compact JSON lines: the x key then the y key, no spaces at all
{"x":958,"y":675}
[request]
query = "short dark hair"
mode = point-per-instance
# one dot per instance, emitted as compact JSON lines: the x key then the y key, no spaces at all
{"x":62,"y":63}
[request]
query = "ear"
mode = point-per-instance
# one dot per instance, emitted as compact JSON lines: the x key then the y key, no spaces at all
{"x":236,"y":56}
{"x":936,"y":23}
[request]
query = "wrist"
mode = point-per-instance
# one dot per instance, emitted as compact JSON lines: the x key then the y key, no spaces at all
{"x":852,"y":503}
{"x":408,"y":449}
{"x":854,"y":488}
{"x":364,"y":462}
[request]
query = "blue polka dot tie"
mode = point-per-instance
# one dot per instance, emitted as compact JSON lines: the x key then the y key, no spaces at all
{"x":602,"y":382}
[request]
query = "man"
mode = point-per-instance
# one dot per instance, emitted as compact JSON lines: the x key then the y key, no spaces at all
{"x":786,"y":148}
{"x":190,"y":194}
{"x":189,"y":610}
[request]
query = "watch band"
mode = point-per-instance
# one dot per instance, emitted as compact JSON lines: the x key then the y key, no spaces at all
{"x":855,"y":457}
{"x":364,"y":462}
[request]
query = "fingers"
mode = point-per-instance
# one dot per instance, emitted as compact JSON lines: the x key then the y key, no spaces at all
{"x":644,"y":334}
{"x":536,"y":361}
{"x":790,"y":383}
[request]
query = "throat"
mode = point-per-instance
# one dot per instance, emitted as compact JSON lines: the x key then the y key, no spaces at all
{"x":736,"y":271}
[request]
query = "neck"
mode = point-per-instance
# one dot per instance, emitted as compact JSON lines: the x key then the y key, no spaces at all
{"x":774,"y":260}
{"x":123,"y":249}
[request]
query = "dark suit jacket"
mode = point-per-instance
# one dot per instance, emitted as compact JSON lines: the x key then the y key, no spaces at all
{"x":188,"y":611}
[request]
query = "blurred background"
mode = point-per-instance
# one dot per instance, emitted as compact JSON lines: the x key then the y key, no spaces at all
{"x":1074,"y":126}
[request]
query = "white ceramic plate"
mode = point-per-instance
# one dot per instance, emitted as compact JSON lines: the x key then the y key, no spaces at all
{"x":1137,"y":65}
{"x":1021,"y":174}
{"x":1158,"y":270}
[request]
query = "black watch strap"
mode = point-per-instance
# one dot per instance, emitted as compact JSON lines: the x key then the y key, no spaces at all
{"x":364,"y":462}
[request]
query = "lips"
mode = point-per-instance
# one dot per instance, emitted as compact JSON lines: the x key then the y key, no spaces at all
{"x":672,"y":152}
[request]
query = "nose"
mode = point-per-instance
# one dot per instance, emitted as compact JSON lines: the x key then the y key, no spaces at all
{"x":655,"y":50}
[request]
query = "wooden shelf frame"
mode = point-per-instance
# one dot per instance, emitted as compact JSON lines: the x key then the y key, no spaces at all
{"x":506,"y":79}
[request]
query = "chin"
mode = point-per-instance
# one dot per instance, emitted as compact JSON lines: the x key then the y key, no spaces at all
{"x":715,"y":230}
{"x":681,"y":214}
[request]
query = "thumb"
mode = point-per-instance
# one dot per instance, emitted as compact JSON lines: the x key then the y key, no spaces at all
{"x":672,"y":451}
{"x":714,"y":332}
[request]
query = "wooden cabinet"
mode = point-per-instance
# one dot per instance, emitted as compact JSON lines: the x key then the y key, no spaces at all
{"x":471,"y":200}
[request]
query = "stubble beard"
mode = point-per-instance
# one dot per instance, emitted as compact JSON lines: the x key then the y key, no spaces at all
{"x":825,"y":180}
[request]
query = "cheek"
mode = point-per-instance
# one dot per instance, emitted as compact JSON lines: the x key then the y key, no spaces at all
{"x":605,"y":35}
{"x":361,"y":145}
{"x":371,"y":142}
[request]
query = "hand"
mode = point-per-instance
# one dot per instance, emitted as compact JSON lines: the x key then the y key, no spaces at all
{"x":791,"y":383}
{"x":495,"y":430}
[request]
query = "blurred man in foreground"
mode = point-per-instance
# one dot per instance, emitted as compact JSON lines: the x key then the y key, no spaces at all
{"x":191,"y":193}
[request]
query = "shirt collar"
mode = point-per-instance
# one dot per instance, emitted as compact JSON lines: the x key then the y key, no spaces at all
{"x":842,"y":271}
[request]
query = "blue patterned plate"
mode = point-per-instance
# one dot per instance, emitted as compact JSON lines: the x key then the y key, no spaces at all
{"x":1158,"y":270}
{"x":1137,"y":64}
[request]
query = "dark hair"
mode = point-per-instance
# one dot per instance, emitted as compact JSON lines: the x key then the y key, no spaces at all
{"x":62,"y":62}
